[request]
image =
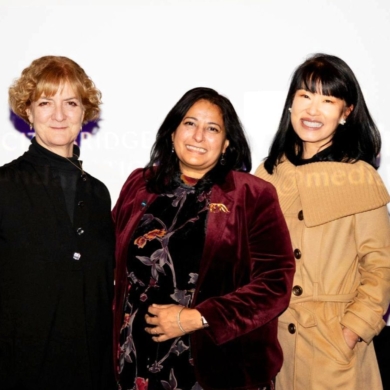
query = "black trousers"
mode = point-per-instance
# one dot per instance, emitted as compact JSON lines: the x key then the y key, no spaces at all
{"x":382,"y":349}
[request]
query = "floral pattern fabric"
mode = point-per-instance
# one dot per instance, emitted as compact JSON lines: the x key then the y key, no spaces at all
{"x":163,"y":266}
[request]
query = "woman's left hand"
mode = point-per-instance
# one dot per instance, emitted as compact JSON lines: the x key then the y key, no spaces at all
{"x":350,"y":338}
{"x":164,"y":321}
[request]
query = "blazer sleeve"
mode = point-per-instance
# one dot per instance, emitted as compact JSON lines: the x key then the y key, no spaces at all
{"x":133,"y":183}
{"x":271,"y":269}
{"x":364,"y":315}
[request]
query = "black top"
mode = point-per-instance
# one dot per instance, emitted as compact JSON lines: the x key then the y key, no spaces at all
{"x":323,"y":155}
{"x":65,"y":169}
{"x":163,"y":266}
{"x":56,"y":278}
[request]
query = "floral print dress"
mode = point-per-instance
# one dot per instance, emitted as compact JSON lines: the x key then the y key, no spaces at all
{"x":162,"y":268}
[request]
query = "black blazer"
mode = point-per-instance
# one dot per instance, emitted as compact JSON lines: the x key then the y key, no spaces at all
{"x":55,"y":281}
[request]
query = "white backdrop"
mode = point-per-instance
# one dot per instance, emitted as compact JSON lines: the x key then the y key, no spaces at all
{"x":144,"y":55}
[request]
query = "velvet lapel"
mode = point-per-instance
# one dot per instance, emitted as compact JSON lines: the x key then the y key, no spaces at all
{"x":216,"y":223}
{"x":142,"y":200}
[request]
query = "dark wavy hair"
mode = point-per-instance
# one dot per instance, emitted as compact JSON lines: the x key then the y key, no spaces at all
{"x":164,"y":165}
{"x":358,"y":139}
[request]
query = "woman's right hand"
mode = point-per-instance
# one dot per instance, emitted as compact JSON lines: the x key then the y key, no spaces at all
{"x":164,"y":321}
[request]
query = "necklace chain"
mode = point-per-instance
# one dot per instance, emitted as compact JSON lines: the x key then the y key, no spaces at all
{"x":83,"y":174}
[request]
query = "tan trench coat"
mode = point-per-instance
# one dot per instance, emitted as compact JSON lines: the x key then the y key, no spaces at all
{"x":339,"y":226}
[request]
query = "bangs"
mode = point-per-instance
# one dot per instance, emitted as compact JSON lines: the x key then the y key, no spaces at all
{"x":53,"y":80}
{"x":323,"y":80}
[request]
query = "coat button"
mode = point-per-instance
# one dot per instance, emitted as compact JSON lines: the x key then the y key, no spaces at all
{"x":297,"y":290}
{"x":300,"y":215}
{"x":297,"y":254}
{"x":76,"y":256}
{"x":291,"y":328}
{"x":81,"y":203}
{"x":80,"y":231}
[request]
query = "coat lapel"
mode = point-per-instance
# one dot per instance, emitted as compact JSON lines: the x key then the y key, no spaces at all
{"x":142,"y":201}
{"x":221,"y":209}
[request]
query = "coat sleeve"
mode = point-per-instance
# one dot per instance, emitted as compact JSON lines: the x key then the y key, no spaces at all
{"x":271,"y":269}
{"x":133,"y":182}
{"x":364,"y":315}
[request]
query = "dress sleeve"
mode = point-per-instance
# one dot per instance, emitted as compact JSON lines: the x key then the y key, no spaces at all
{"x":271,"y":270}
{"x":364,"y":315}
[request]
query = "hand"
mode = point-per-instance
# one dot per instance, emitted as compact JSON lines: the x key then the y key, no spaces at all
{"x":350,"y":337}
{"x":164,"y":323}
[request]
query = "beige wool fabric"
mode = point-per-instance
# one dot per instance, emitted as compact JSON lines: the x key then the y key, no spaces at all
{"x":339,"y":226}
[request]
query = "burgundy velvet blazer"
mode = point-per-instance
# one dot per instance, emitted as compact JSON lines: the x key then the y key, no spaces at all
{"x":244,"y":283}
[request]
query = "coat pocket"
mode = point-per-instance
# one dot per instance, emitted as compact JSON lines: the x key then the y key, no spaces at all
{"x":332,"y":343}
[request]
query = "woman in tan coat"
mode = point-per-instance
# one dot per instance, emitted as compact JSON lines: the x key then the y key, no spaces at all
{"x":323,"y":164}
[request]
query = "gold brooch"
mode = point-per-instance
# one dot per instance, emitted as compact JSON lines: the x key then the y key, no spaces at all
{"x":218,"y":208}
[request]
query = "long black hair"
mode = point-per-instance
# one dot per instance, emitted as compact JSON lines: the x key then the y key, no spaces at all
{"x":163,"y":164}
{"x":358,"y":139}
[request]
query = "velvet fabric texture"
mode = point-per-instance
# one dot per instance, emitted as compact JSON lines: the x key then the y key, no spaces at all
{"x":244,"y":281}
{"x":164,"y":257}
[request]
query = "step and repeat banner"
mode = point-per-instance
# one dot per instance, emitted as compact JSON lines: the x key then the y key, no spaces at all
{"x":144,"y":55}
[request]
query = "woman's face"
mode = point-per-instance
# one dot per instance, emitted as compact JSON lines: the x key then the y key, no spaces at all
{"x":57,"y":120}
{"x":315,"y":118}
{"x":200,"y":139}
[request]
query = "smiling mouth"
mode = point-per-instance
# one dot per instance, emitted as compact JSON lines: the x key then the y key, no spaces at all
{"x":314,"y":125}
{"x":196,"y":149}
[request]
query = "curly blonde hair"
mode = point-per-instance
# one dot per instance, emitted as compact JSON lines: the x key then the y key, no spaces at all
{"x":44,"y":76}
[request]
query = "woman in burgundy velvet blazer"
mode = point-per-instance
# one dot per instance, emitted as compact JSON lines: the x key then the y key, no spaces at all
{"x":246,"y":266}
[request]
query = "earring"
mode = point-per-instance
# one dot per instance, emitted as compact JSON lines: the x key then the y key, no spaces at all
{"x":342,"y":122}
{"x":222,"y":161}
{"x":173,"y":148}
{"x":30,"y":126}
{"x":289,"y":109}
